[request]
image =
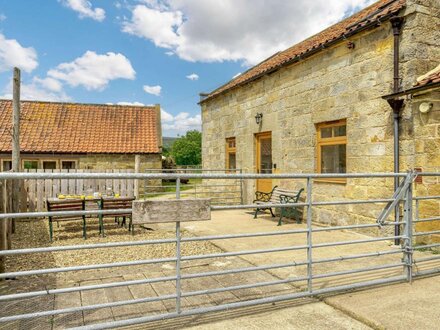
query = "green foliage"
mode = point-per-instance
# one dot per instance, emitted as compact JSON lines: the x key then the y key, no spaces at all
{"x":187,"y":150}
{"x":166,"y":151}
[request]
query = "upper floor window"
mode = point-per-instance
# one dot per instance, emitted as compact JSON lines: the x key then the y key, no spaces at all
{"x":332,"y":147}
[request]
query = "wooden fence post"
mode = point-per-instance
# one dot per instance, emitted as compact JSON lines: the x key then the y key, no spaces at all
{"x":16,"y":142}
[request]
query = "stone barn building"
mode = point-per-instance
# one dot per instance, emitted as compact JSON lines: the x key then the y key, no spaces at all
{"x":320,"y":108}
{"x":65,"y":136}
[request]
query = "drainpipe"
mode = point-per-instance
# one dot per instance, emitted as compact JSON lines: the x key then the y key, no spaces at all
{"x":396,"y":23}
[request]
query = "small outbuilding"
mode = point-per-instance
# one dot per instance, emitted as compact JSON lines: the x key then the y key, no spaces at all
{"x":56,"y":135}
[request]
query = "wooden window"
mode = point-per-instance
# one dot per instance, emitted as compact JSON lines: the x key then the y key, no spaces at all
{"x":49,"y":164}
{"x":30,"y":164}
{"x":231,"y":160}
{"x":6,"y":165}
{"x":332,"y":149}
{"x":68,"y":164}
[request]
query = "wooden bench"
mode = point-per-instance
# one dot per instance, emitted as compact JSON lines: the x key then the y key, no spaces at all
{"x":116,"y":203}
{"x":65,"y":205}
{"x":279,"y":196}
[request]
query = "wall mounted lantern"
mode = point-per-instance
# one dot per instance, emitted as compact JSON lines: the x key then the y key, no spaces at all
{"x":425,"y":107}
{"x":258,"y":118}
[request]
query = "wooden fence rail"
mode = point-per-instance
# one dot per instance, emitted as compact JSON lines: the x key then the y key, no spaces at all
{"x":35,"y":192}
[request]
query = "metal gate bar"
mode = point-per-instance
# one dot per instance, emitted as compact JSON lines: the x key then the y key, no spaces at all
{"x":406,"y":248}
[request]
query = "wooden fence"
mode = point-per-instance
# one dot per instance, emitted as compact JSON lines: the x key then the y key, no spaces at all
{"x":35,"y":192}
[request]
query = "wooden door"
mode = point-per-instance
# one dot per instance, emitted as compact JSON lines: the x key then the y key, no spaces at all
{"x":264,"y":160}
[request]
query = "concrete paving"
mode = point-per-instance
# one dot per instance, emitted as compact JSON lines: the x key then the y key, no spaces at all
{"x":314,"y":315}
{"x":399,"y":306}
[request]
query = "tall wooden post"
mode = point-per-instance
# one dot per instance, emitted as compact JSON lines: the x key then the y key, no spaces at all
{"x":16,"y":142}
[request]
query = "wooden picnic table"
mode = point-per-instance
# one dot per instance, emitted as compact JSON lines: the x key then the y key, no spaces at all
{"x":92,"y":203}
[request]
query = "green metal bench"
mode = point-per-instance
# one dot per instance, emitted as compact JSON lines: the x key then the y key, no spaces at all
{"x":262,"y":198}
{"x":279,"y":196}
{"x":291,"y":212}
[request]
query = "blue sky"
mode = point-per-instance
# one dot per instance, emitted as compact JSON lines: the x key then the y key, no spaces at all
{"x":149,"y":51}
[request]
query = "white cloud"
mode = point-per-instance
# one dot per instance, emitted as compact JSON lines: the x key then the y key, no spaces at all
{"x":155,"y":25}
{"x":49,"y":84}
{"x":236,"y":75}
{"x":193,"y":76}
{"x":84,"y":9}
{"x":13,"y":54}
{"x":246,"y":30}
{"x":94,"y":71}
{"x":180,"y":123}
{"x":154,"y":90}
{"x":38,"y":89}
{"x":131,"y":103}
{"x":2,"y":17}
{"x":165,"y":116}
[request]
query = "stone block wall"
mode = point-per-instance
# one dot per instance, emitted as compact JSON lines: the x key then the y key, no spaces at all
{"x":116,"y":161}
{"x":427,"y":157}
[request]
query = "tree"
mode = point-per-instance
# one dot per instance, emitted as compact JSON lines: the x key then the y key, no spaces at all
{"x":187,"y":150}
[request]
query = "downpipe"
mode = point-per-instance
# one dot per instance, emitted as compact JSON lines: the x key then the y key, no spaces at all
{"x":396,"y":23}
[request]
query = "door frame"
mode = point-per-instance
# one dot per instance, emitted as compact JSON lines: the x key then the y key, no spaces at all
{"x":261,"y":182}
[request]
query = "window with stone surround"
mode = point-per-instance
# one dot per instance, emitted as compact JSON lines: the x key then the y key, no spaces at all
{"x":332,"y":148}
{"x":231,"y":160}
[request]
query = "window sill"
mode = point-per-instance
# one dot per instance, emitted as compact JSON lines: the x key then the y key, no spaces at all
{"x":337,"y":181}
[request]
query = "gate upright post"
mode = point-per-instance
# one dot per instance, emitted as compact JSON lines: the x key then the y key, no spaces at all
{"x":408,"y":220}
{"x":178,"y":255}
{"x":309,"y":235}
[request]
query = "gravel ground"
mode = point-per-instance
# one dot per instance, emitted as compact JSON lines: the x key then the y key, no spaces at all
{"x":36,"y":234}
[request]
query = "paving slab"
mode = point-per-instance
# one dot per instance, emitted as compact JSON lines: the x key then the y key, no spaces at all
{"x":398,"y":306}
{"x":301,"y":314}
{"x":316,"y":315}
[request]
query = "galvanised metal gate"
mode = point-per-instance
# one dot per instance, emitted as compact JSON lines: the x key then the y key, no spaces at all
{"x":407,"y":248}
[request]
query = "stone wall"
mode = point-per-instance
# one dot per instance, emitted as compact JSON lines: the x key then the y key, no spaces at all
{"x":337,"y":83}
{"x":115,"y":161}
{"x":427,"y":157}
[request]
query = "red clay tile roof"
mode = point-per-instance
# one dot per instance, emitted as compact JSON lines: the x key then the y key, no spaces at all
{"x":48,"y":127}
{"x":378,"y":11}
{"x":431,"y":77}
